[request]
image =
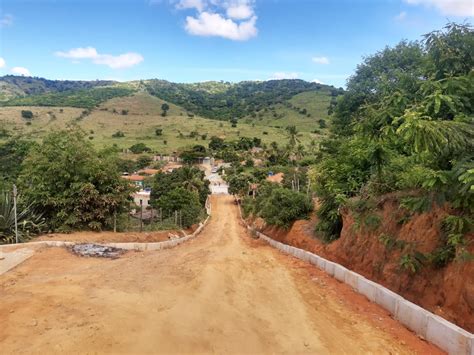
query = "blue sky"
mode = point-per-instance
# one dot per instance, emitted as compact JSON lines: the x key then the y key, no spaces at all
{"x":199,"y":40}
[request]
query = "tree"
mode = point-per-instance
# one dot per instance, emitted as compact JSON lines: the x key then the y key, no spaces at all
{"x":164,"y":107}
{"x":183,"y":201}
{"x":216,"y":143}
{"x":292,"y":135}
{"x":159,"y":131}
{"x":71,"y":184}
{"x":12,"y":154}
{"x":139,"y":148}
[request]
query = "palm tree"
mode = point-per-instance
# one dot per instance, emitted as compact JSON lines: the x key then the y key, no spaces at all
{"x":292,"y":135}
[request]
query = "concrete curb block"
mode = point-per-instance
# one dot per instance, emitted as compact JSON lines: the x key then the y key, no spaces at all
{"x":442,"y":333}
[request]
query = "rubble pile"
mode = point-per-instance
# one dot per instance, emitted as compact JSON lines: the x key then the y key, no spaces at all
{"x":95,"y":250}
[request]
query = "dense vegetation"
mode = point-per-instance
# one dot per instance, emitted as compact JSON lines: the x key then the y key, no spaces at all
{"x":74,"y":186}
{"x":405,"y":124}
{"x":85,"y":98}
{"x":18,"y":86}
{"x":226,"y":101}
{"x":183,"y":191}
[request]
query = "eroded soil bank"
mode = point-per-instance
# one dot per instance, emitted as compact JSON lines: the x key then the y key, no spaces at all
{"x":447,"y":292}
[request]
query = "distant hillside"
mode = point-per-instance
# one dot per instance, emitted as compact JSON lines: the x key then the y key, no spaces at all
{"x":83,"y":98}
{"x":259,"y":101}
{"x":224,"y":101}
{"x":12,"y":86}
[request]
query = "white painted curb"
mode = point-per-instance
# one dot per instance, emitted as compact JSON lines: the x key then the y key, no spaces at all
{"x":442,"y":333}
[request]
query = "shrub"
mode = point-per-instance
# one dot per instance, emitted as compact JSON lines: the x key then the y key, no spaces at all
{"x":118,"y":134}
{"x":139,"y":148}
{"x":26,"y":114}
{"x":284,"y":206}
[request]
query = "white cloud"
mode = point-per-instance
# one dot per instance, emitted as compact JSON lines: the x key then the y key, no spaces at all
{"x":2,"y":62}
{"x":6,"y":20}
{"x":401,"y":16}
{"x":448,"y":7}
{"x":284,"y":75}
{"x":121,"y":61}
{"x":79,"y":53}
{"x":320,"y":60}
{"x":214,"y":24}
{"x":231,"y":19}
{"x":20,"y":71}
{"x":190,"y":4}
{"x":240,"y":11}
{"x":317,"y":81}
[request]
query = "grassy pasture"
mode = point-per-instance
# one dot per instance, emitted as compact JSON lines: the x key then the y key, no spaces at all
{"x":316,"y":104}
{"x":139,"y":125}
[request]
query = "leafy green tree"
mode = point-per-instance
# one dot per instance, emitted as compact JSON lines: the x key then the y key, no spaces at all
{"x":73,"y":185}
{"x":139,"y":148}
{"x":164,"y":108}
{"x":12,"y":154}
{"x":183,"y":201}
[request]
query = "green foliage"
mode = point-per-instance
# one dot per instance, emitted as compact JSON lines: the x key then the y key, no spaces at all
{"x":183,"y":201}
{"x":139,"y":148}
{"x":405,"y":122}
{"x":159,"y":131}
{"x":24,"y":86}
{"x":71,"y":184}
{"x":454,"y":243}
{"x":225,"y":101}
{"x":391,"y":243}
{"x":12,"y":154}
{"x":187,"y":177}
{"x":284,"y":206}
{"x":26,"y":114}
{"x":29,"y":222}
{"x":412,"y":262}
{"x":118,"y":134}
{"x":416,"y":204}
{"x":89,"y":98}
{"x":278,"y":206}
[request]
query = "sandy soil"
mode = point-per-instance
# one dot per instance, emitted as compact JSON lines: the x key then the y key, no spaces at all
{"x":220,"y":293}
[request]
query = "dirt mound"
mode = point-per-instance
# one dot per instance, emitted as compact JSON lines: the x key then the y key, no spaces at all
{"x":447,"y":292}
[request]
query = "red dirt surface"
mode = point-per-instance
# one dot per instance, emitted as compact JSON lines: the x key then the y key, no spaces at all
{"x":222,"y":292}
{"x":447,"y":292}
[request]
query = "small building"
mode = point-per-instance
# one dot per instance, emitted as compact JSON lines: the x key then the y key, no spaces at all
{"x":137,"y":180}
{"x":142,"y":198}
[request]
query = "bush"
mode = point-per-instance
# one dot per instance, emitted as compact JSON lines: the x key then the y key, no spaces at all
{"x":159,"y":131}
{"x":283,"y":206}
{"x":139,"y":148}
{"x":185,"y":202}
{"x":26,"y":114}
{"x":118,"y":134}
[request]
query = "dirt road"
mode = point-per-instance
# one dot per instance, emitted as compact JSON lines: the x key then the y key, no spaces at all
{"x":220,"y":293}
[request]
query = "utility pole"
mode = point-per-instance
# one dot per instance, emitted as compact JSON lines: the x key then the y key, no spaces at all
{"x":14,"y":212}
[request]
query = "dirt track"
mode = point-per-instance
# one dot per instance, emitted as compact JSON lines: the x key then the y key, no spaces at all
{"x":220,"y":293}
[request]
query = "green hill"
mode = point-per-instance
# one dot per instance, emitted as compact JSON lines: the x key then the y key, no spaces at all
{"x":197,"y":111}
